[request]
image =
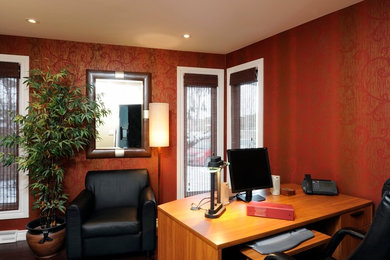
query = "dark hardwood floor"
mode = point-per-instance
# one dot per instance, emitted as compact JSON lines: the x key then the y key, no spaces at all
{"x":21,"y":251}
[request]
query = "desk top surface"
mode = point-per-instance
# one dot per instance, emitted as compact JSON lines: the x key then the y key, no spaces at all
{"x":235,"y":227}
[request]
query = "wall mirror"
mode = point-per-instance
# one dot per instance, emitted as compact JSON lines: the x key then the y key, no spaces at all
{"x":125,"y":131}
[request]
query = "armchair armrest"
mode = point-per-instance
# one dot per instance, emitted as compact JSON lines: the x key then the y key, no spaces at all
{"x":77,"y":212}
{"x":148,"y":215}
{"x":338,"y":237}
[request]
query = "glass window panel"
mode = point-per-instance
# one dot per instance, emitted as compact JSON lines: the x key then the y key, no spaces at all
{"x":248,"y":109}
{"x":200,"y":137}
{"x":9,"y":174}
{"x":244,"y":115}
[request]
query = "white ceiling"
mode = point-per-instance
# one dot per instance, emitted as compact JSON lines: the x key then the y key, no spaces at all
{"x":216,"y":26}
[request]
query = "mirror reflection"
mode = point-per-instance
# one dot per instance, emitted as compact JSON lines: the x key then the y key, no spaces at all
{"x":124,"y":132}
{"x":122,"y":128}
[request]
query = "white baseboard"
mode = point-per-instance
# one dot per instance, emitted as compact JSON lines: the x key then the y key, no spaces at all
{"x":7,"y":236}
{"x":11,"y":236}
{"x":21,"y":235}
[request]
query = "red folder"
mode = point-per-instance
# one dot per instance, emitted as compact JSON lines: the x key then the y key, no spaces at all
{"x":270,"y":210}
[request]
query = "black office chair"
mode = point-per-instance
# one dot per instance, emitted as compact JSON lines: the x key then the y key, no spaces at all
{"x":375,"y":244}
{"x":115,"y":214}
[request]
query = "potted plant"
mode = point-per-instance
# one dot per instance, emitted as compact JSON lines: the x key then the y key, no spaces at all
{"x":59,"y":122}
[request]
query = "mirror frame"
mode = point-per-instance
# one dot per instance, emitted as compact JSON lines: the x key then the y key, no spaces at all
{"x":144,"y":151}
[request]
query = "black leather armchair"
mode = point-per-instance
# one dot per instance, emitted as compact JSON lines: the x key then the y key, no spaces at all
{"x":115,"y":214}
{"x":375,"y":244}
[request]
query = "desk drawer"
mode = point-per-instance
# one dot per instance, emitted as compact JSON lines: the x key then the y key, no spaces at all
{"x":357,"y":218}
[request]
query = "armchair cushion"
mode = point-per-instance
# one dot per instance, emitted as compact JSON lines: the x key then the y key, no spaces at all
{"x":111,"y":222}
{"x":120,"y":188}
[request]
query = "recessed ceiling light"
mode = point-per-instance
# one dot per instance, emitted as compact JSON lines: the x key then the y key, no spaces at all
{"x":30,"y":20}
{"x":186,"y":36}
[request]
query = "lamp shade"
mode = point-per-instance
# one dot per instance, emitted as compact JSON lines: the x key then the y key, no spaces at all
{"x":158,"y":124}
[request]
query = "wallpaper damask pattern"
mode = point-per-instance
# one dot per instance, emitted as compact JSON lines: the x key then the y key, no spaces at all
{"x":78,"y":57}
{"x":327,"y":98}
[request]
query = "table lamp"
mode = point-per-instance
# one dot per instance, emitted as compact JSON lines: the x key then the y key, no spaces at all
{"x":159,"y":133}
{"x":215,"y":166}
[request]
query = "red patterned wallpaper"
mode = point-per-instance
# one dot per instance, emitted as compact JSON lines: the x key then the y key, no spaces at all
{"x":81,"y":56}
{"x":327,"y":98}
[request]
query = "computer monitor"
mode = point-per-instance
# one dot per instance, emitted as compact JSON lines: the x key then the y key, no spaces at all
{"x":249,"y":170}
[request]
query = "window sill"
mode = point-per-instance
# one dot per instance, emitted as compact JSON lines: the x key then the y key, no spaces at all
{"x":13,"y":214}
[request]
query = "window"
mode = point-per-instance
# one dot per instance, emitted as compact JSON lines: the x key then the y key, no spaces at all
{"x":13,"y":99}
{"x":9,"y":82}
{"x":245,"y":105}
{"x":200,"y":127}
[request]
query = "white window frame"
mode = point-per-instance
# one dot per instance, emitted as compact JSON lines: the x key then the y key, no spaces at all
{"x":23,"y":210}
{"x":180,"y":119}
{"x":259,"y":64}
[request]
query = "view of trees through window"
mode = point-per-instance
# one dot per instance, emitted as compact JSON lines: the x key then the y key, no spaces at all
{"x":198,"y":138}
{"x":248,"y":115}
{"x":8,"y":174}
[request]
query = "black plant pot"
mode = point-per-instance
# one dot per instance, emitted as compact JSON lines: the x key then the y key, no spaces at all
{"x":45,"y":243}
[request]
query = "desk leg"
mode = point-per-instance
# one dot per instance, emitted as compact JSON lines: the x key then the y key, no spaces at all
{"x":177,"y":242}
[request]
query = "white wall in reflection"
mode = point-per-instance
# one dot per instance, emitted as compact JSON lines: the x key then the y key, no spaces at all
{"x":113,"y":94}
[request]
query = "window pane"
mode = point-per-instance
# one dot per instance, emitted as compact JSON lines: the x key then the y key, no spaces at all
{"x":244,"y":115}
{"x":8,"y":175}
{"x":200,"y":137}
{"x":248,"y":108}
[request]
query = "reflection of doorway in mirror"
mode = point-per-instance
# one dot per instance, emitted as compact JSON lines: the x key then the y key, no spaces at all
{"x":130,"y":126}
{"x":116,"y":93}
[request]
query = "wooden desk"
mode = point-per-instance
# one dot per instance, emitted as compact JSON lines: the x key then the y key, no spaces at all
{"x":185,"y":234}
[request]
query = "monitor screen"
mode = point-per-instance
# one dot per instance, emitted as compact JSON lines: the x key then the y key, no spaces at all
{"x":249,"y":170}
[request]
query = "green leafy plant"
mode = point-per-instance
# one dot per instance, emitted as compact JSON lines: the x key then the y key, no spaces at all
{"x":59,"y":122}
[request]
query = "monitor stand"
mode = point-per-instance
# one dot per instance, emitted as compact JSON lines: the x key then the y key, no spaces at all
{"x":248,"y":197}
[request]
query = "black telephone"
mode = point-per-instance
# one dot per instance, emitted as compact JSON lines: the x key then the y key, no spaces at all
{"x":319,"y":187}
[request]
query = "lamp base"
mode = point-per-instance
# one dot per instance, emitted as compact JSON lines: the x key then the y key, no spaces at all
{"x":217,"y":212}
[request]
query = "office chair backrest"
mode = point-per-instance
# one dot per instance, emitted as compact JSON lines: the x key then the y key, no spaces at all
{"x":386,"y":187}
{"x":116,"y":188}
{"x":376,"y":245}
